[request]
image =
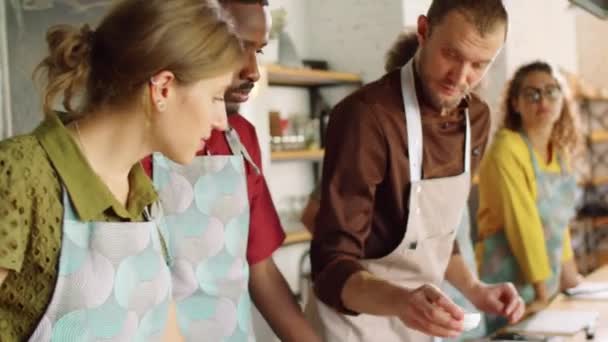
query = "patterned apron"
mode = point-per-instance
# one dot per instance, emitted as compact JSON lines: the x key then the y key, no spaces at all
{"x":206,"y":220}
{"x":555,"y":204}
{"x":468,"y":254}
{"x":113,"y":283}
{"x":423,"y":254}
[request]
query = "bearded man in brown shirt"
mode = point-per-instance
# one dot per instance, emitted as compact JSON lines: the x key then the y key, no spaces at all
{"x":399,"y":157}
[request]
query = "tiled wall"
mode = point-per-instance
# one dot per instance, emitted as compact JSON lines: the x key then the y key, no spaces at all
{"x":27,"y":47}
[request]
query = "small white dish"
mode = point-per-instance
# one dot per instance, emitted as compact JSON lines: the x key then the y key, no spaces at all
{"x":471,"y":320}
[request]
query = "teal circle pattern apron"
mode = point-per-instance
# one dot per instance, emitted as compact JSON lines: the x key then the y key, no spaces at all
{"x":465,"y":244}
{"x":113,"y":283}
{"x":556,"y":194}
{"x":206,"y":221}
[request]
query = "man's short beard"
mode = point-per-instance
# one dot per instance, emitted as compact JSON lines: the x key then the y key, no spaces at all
{"x":430,"y":97}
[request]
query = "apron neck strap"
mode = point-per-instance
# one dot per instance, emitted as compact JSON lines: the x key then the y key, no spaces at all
{"x":412,"y":121}
{"x":467,"y":146}
{"x":237,"y":148}
{"x":535,"y":164}
{"x":414,"y":125}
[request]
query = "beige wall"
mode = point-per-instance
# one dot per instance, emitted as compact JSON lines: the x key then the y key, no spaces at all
{"x":541,"y":29}
{"x":592,"y":40}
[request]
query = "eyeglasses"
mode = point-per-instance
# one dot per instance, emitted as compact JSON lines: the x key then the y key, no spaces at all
{"x":534,"y":95}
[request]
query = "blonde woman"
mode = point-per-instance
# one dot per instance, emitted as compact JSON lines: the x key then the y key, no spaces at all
{"x":80,"y":255}
{"x":527,"y":192}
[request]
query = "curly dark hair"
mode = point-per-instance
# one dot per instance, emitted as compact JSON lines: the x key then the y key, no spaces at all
{"x":403,"y":49}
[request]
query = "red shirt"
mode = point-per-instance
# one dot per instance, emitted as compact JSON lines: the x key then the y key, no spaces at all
{"x":265,"y":231}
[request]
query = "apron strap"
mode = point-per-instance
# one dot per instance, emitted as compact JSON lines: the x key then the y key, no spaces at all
{"x":467,"y":144}
{"x":154,"y":213}
{"x":412,"y":121}
{"x":562,"y":164}
{"x":535,"y":164}
{"x":234,"y":141}
{"x":68,"y":208}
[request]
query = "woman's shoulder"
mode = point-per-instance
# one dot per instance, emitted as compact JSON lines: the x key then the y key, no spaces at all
{"x":23,"y":160}
{"x":508,"y":141}
{"x":21,"y":151}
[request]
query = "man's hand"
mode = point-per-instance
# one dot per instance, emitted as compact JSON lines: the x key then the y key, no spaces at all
{"x":429,"y":311}
{"x":271,"y":295}
{"x":499,"y":299}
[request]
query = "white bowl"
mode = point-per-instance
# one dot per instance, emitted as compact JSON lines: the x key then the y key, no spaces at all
{"x":471,"y":321}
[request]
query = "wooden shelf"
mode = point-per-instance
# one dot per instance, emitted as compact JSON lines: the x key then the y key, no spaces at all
{"x":598,"y":136}
{"x":311,"y":155}
{"x":298,"y":236}
{"x":596,"y":222}
{"x":600,"y":221}
{"x":281,"y":75}
{"x":598,"y":181}
{"x":592,"y":97}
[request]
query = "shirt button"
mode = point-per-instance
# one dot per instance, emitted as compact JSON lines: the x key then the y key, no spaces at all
{"x":419,"y":189}
{"x":417,"y":211}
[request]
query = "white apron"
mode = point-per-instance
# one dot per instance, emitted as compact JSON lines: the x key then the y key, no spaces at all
{"x":435,"y":210}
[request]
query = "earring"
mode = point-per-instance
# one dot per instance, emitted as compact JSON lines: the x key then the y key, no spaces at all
{"x":161,"y":105}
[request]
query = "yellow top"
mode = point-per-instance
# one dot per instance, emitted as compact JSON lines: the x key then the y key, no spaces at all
{"x":507,"y":200}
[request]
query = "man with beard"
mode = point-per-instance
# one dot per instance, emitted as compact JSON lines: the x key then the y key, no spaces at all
{"x":399,"y":157}
{"x":258,"y":231}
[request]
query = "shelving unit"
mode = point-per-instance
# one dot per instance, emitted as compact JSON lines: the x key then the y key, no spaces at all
{"x":594,"y":227}
{"x":314,"y":81}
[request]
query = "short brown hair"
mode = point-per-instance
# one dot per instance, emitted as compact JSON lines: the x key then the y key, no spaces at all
{"x":565,"y":135}
{"x":135,"y":40}
{"x":484,"y":14}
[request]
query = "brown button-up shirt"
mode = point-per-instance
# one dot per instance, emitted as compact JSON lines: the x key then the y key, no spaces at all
{"x":366,"y":181}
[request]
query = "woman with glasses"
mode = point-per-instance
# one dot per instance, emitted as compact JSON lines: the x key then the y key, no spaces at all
{"x":526,"y":192}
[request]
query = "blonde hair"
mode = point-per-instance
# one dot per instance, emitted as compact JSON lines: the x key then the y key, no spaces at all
{"x":565,"y":135}
{"x":137,"y":39}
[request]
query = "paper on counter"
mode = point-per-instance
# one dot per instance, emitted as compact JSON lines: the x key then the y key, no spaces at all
{"x":590,"y":296}
{"x":557,"y":322}
{"x":592,"y":290}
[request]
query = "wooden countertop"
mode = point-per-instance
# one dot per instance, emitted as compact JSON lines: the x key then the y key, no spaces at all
{"x":562,"y":302}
